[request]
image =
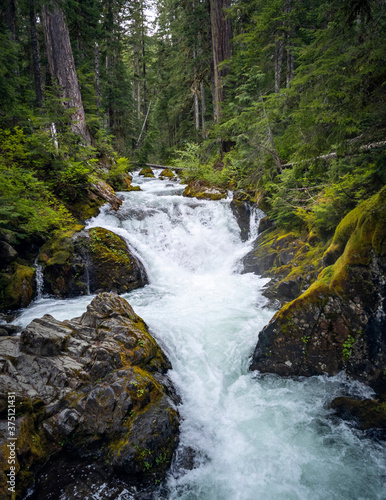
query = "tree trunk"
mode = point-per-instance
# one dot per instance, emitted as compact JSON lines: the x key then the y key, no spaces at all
{"x":203,"y":110}
{"x":97,"y":79}
{"x":221,"y":48}
{"x":62,"y":65}
{"x":36,"y":56}
{"x":279,"y":50}
{"x":10,"y":18}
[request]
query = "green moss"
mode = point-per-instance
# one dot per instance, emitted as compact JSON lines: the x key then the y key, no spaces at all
{"x":146,"y":172}
{"x":17,"y":287}
{"x":167,"y":173}
{"x":368,"y":225}
{"x":109,"y":247}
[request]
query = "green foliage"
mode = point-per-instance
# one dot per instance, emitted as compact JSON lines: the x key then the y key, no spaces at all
{"x":192,"y":162}
{"x":118,"y":171}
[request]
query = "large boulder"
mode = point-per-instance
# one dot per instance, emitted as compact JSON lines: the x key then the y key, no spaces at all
{"x":17,"y":286}
{"x":200,"y":190}
{"x":339,"y":323}
{"x":94,"y":388}
{"x":89,"y":261}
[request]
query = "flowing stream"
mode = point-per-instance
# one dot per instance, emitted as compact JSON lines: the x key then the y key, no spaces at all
{"x":248,"y":437}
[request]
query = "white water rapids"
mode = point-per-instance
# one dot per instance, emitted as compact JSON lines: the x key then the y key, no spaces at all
{"x":254,"y":437}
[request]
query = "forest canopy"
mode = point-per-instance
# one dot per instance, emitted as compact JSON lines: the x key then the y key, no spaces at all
{"x":285,"y":100}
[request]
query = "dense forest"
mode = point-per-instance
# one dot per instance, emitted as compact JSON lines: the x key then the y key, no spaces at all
{"x":270,"y":304}
{"x":285,"y":101}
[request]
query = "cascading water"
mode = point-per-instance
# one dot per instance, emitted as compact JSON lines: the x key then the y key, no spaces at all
{"x":246,"y":437}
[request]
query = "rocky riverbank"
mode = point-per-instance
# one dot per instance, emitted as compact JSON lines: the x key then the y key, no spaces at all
{"x":91,"y":392}
{"x":336,"y":319}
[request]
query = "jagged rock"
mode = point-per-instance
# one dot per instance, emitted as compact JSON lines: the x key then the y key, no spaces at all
{"x":93,"y":260}
{"x":241,"y":206}
{"x":198,"y":189}
{"x":121,"y":417}
{"x":339,"y":323}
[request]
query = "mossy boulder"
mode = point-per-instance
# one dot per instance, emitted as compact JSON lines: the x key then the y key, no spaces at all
{"x":202,"y":191}
{"x":167,"y":173}
{"x":147,"y":172}
{"x":89,"y":261}
{"x":17,"y":286}
{"x":94,"y":388}
{"x":339,"y":322}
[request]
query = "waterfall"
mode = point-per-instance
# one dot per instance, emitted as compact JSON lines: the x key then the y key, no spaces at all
{"x":243,"y":436}
{"x":39,"y":278}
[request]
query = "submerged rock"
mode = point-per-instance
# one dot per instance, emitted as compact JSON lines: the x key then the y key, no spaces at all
{"x":369,"y":413}
{"x":93,"y":388}
{"x":198,"y":189}
{"x":93,"y":261}
{"x":339,"y":323}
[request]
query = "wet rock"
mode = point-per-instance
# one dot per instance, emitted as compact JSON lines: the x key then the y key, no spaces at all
{"x":167,"y":173}
{"x":198,"y":189}
{"x":242,"y":207}
{"x":339,"y":322}
{"x":10,"y":329}
{"x":288,"y":259}
{"x":122,"y":418}
{"x":369,"y":413}
{"x":94,"y":260}
{"x":265,"y":224}
{"x":147,"y":172}
{"x":17,"y":286}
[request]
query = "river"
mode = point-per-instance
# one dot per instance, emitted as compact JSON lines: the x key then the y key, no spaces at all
{"x":252,"y":437}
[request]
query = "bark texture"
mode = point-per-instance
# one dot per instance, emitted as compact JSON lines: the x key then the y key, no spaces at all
{"x":36,"y":56}
{"x":221,"y":28}
{"x":62,"y":65}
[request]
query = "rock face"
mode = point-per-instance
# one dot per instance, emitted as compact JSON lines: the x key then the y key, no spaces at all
{"x":198,"y":189}
{"x":340,"y":321}
{"x":93,"y":261}
{"x":93,"y":388}
{"x":292,"y":261}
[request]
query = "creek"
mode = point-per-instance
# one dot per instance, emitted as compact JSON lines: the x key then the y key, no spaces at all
{"x":244,"y":436}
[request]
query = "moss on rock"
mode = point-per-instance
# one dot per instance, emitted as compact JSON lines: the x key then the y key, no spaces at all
{"x":200,"y":190}
{"x":95,"y":260}
{"x":342,"y":314}
{"x":167,"y":173}
{"x":99,"y":398}
{"x":17,"y":286}
{"x":147,"y":172}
